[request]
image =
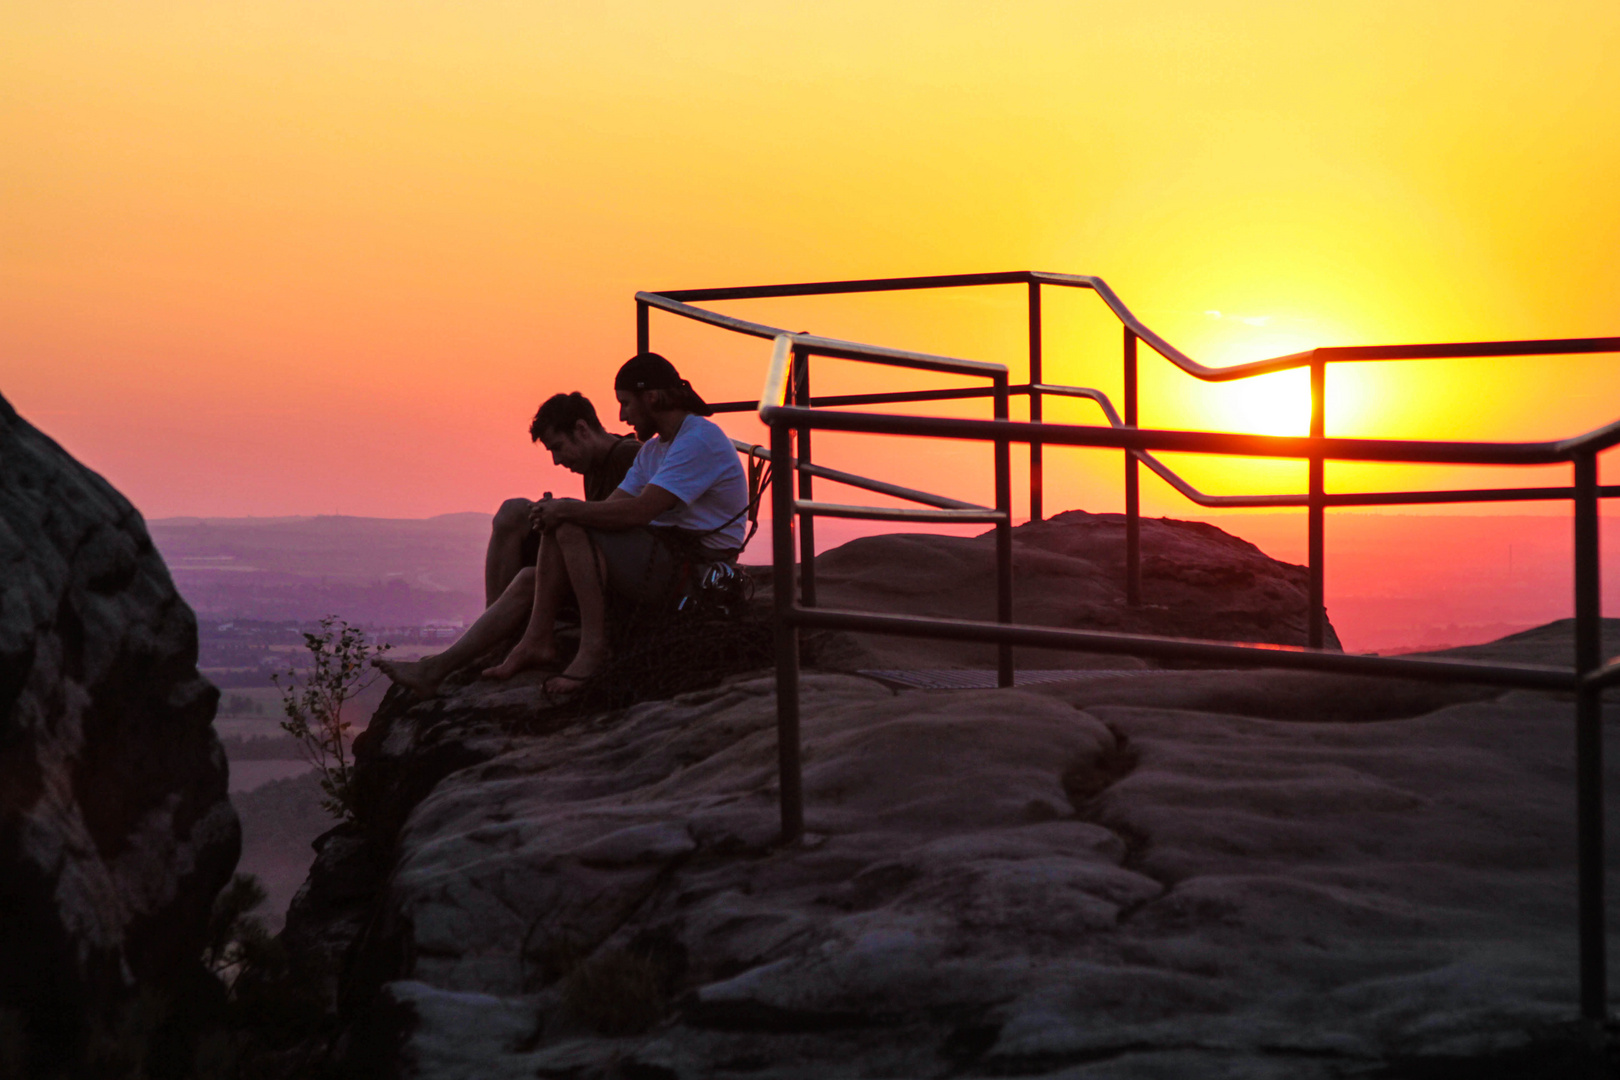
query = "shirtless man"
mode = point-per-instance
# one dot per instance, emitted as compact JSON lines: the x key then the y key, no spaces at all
{"x":567,"y":426}
{"x":686,"y":491}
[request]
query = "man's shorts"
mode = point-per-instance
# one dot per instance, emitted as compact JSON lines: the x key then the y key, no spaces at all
{"x":640,"y":566}
{"x":646,"y":565}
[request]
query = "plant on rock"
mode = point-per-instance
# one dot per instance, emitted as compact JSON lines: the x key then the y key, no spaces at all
{"x":313,"y":701}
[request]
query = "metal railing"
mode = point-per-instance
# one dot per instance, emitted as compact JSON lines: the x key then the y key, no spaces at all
{"x":787,"y":407}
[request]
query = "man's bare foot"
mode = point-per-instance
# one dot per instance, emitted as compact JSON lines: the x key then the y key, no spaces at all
{"x":562,"y":687}
{"x":522,"y":657}
{"x":417,"y":676}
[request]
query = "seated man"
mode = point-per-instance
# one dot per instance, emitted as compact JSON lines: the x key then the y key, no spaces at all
{"x":683,"y":501}
{"x":568,"y":427}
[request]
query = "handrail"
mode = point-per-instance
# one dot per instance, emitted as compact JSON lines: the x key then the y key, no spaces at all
{"x":787,"y":406}
{"x":677,"y":301}
{"x":1405,"y":451}
{"x":866,"y":483}
{"x":1357,"y":498}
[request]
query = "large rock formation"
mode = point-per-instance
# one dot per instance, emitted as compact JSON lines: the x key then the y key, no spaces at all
{"x":1069,"y":570}
{"x":115,"y":829}
{"x":1131,"y":873}
{"x":1189,"y":873}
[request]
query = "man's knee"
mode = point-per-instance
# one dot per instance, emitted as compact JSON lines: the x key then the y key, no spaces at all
{"x":513,"y":516}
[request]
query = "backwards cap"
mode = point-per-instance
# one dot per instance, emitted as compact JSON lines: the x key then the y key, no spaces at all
{"x":649,"y":371}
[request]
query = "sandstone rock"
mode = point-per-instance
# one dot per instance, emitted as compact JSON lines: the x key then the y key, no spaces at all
{"x":1184,"y":874}
{"x":1069,"y":570}
{"x":115,"y":829}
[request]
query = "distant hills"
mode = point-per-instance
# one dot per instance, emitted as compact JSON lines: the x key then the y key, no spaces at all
{"x":1394,"y":581}
{"x":374,"y":571}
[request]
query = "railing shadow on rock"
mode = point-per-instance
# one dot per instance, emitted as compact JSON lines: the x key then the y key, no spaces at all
{"x":792,"y":414}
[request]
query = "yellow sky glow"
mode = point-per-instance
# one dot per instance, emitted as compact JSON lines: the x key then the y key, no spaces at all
{"x":301,"y":258}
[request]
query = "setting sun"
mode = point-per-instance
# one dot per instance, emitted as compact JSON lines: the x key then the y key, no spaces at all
{"x":1277,"y":404}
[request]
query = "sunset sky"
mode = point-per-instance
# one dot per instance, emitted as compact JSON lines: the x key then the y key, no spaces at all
{"x":299,"y":258}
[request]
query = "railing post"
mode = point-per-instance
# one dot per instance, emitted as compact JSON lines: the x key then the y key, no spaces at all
{"x":1037,"y":490}
{"x":1316,"y":512}
{"x":1004,"y":656}
{"x":789,"y":778}
{"x":800,"y":395}
{"x":1589,"y":744}
{"x":1133,"y":490}
{"x":643,"y":331}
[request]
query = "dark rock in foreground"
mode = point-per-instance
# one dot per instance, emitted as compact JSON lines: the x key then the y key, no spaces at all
{"x":1197,"y":582}
{"x":115,"y":829}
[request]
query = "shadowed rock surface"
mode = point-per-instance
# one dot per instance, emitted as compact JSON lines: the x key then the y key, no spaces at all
{"x":1181,"y":873}
{"x":1069,"y":570}
{"x":115,"y":829}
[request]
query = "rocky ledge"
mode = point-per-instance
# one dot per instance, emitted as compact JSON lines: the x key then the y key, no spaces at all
{"x":1069,"y":570}
{"x":1129,"y":874}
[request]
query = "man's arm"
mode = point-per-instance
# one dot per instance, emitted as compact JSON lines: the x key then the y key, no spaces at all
{"x":618,"y":511}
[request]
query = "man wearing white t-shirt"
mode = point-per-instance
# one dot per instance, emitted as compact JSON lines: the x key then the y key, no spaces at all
{"x":683,"y":500}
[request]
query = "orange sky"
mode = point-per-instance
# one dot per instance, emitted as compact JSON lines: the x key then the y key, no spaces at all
{"x":311,"y":258}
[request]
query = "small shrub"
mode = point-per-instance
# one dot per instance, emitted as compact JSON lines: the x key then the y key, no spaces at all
{"x":313,"y":701}
{"x":615,"y":992}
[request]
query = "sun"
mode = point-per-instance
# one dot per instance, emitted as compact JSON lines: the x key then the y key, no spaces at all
{"x":1277,"y":404}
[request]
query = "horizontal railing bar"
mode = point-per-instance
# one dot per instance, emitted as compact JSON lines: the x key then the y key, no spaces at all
{"x":898,"y":513}
{"x":816,"y":345}
{"x":1607,"y":675}
{"x":881,"y":399}
{"x":1358,"y":498}
{"x":825,"y":288}
{"x":1195,"y":495}
{"x":1523,"y":676}
{"x":1445,"y":350}
{"x":866,"y":483}
{"x":713,"y":318}
{"x":1188,"y":442}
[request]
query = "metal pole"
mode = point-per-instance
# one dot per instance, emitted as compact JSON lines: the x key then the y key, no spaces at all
{"x":643,"y":331}
{"x":789,"y":779}
{"x":1316,"y":512}
{"x":1133,"y":489}
{"x":807,"y":522}
{"x":1004,"y":656}
{"x":1037,"y":490}
{"x":1589,"y":744}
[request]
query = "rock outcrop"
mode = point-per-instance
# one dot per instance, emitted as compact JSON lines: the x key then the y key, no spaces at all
{"x":1131,"y":873}
{"x":1105,"y":878}
{"x":1069,"y":570}
{"x":115,"y":829}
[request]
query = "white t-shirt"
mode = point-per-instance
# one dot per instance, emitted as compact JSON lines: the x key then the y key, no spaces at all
{"x":700,"y":468}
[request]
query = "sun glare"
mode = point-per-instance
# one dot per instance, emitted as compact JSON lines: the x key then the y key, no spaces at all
{"x":1277,"y":404}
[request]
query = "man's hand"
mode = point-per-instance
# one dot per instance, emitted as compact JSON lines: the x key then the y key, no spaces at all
{"x":534,"y":512}
{"x":548,"y":513}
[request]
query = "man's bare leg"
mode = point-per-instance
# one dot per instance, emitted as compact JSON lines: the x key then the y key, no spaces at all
{"x":498,"y":622}
{"x":504,"y":556}
{"x":573,"y":551}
